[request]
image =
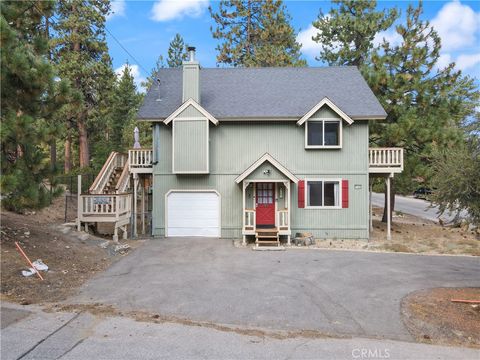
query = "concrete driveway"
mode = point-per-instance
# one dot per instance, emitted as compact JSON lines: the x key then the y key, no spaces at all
{"x":335,"y":292}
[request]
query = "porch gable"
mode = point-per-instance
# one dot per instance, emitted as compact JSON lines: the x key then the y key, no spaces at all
{"x":261,"y":170}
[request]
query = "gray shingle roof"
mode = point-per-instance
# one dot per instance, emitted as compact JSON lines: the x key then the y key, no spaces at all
{"x":265,"y":92}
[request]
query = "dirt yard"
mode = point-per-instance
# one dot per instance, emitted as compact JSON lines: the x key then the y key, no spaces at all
{"x":72,"y":257}
{"x":432,"y":317}
{"x":411,"y":234}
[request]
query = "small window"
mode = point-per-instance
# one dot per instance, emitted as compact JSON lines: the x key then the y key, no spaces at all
{"x":323,"y":193}
{"x":323,"y":133}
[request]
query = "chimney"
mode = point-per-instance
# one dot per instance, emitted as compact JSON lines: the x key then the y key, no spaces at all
{"x":191,"y":77}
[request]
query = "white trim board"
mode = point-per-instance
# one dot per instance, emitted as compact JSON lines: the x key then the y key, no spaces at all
{"x":329,"y":103}
{"x":271,"y":160}
{"x":186,"y":104}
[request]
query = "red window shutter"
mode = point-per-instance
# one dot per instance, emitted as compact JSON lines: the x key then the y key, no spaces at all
{"x":344,"y":194}
{"x":301,"y":194}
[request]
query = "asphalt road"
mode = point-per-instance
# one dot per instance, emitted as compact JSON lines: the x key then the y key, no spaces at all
{"x":412,"y":206}
{"x":334,"y":292}
{"x":41,"y":335}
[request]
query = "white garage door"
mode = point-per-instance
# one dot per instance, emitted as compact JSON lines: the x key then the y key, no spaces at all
{"x":193,"y":214}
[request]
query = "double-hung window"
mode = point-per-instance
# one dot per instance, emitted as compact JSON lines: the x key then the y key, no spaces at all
{"x":325,"y":193}
{"x":323,"y":134}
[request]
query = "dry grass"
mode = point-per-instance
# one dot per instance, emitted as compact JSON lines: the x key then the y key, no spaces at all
{"x":411,"y":234}
{"x":432,"y":317}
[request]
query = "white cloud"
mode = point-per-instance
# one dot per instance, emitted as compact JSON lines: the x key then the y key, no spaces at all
{"x":443,"y":61}
{"x":458,"y":25}
{"x":309,"y":47}
{"x":390,"y":35}
{"x":165,"y":10}
{"x":117,"y":9}
{"x":465,"y":61}
{"x":137,"y":76}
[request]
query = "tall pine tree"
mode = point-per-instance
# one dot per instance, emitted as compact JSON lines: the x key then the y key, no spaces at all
{"x":124,"y":108}
{"x":255,"y":33}
{"x":424,"y":106}
{"x":346,"y":33}
{"x":177,"y":52}
{"x":29,"y":95}
{"x":81,"y":55}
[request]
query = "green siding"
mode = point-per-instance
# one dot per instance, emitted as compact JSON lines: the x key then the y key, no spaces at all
{"x":190,"y":112}
{"x":190,"y":146}
{"x":191,"y":81}
{"x":234,"y":146}
{"x":325,"y":112}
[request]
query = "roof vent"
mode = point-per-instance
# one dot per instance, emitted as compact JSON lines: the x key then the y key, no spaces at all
{"x":191,"y":52}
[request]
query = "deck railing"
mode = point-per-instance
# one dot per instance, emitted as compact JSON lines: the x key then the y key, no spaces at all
{"x":283,"y":218}
{"x":385,"y":158}
{"x":111,"y":206}
{"x":140,"y":160}
{"x":249,"y":218}
{"x":114,"y":160}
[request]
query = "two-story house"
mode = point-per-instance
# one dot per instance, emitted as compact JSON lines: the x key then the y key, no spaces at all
{"x":261,"y":152}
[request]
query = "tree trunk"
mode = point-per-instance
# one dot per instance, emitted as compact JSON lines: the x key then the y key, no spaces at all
{"x":83,"y":141}
{"x":392,"y":201}
{"x":68,"y":154}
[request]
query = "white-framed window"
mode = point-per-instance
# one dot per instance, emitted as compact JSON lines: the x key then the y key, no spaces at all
{"x":323,"y":134}
{"x":323,"y":193}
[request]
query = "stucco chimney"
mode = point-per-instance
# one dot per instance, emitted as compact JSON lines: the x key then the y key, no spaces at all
{"x":191,"y":77}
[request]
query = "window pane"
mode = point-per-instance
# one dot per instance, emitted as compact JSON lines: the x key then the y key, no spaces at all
{"x":315,"y":133}
{"x":332,"y":133}
{"x":331,"y":193}
{"x":314,"y":193}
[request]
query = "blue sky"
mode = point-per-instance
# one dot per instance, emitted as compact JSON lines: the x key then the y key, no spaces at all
{"x":145,"y":29}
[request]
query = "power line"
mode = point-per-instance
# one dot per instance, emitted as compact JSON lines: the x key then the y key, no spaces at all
{"x":124,"y":49}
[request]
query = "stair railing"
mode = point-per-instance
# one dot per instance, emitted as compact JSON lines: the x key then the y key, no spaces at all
{"x":122,"y":183}
{"x":114,"y":160}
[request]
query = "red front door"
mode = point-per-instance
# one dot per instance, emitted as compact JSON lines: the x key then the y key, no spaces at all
{"x":265,"y":204}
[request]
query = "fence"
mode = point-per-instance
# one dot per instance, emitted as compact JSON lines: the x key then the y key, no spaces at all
{"x":70,"y":185}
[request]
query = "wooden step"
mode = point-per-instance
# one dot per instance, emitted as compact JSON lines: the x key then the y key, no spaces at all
{"x":267,"y":242}
{"x":266,"y":236}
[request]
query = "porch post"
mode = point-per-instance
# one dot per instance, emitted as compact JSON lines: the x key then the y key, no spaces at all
{"x":287,"y":204}
{"x":135,"y":185}
{"x":143,"y":206}
{"x":370,"y":207}
{"x":244,"y":238}
{"x":389,"y":220}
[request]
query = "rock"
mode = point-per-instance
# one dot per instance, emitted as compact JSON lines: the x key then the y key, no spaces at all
{"x":121,"y":248}
{"x":67,"y":247}
{"x":104,"y":245}
{"x":84,"y":237}
{"x":26,"y":233}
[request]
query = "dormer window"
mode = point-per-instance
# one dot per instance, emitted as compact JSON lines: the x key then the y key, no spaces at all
{"x":323,"y":134}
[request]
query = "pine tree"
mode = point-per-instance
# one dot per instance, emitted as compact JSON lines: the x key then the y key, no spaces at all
{"x":124,"y":108}
{"x":29,"y":95}
{"x":424,"y":106}
{"x":81,"y":55}
{"x":255,"y":33}
{"x":177,"y":52}
{"x":346,"y":33}
{"x":459,"y":165}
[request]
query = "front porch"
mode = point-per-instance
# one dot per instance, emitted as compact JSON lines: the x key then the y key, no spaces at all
{"x":280,"y":203}
{"x":266,"y":201}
